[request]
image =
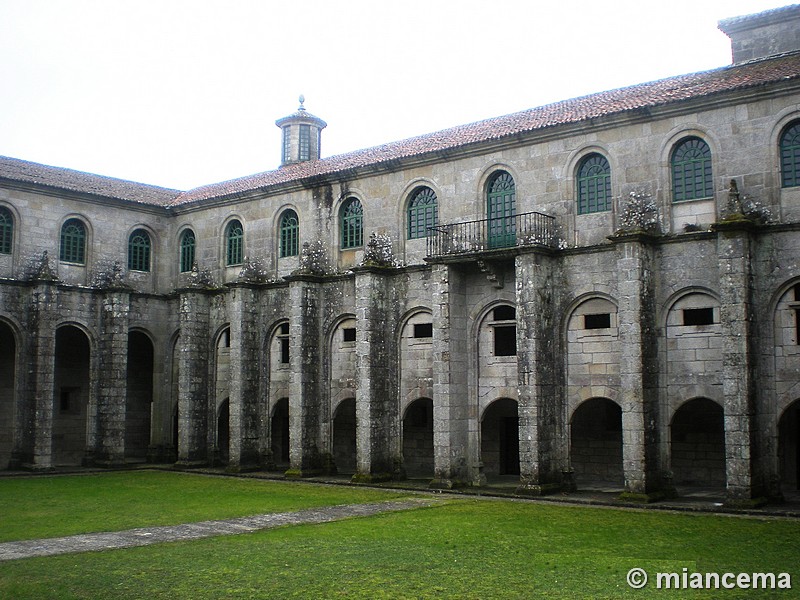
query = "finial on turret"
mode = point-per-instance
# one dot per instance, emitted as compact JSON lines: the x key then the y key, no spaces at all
{"x":302,"y":100}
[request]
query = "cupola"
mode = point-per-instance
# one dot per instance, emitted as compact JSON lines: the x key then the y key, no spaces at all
{"x":301,"y":135}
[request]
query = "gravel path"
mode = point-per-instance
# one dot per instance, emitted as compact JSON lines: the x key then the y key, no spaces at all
{"x":91,"y":542}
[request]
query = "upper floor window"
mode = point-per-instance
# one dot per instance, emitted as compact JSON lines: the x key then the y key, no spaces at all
{"x":422,"y":212}
{"x":287,"y":144}
{"x":289,"y":232}
{"x":790,"y":155}
{"x":73,"y":242}
{"x":187,"y":250}
{"x":234,"y":243}
{"x":139,"y":251}
{"x":6,"y":230}
{"x":352,"y":220}
{"x":305,"y":142}
{"x":501,"y":208}
{"x":691,"y":170}
{"x":594,"y":185}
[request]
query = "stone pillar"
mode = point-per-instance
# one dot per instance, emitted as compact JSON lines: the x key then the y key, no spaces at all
{"x":112,"y":370}
{"x":638,"y":369}
{"x":738,"y":362}
{"x":244,"y":389}
{"x":305,"y":388}
{"x":193,"y":364}
{"x":450,"y":375}
{"x":36,"y":451}
{"x":376,"y":395}
{"x":542,"y":443}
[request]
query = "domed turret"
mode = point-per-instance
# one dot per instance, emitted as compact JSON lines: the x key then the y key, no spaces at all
{"x":301,"y":135}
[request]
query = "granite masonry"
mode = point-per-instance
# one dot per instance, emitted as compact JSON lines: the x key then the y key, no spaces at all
{"x":602,"y":290}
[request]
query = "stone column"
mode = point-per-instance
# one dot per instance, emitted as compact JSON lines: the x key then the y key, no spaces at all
{"x":376,"y":395}
{"x":542,"y":446}
{"x":37,"y":444}
{"x":450,"y":375}
{"x":193,"y":361}
{"x":112,"y":370}
{"x":638,"y":368}
{"x":738,"y":362}
{"x":244,"y":389}
{"x":305,"y":388}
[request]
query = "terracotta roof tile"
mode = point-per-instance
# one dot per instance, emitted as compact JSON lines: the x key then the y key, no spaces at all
{"x":85,"y":183}
{"x":646,"y":95}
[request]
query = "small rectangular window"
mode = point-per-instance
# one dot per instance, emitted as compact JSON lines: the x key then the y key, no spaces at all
{"x":597,"y":321}
{"x":284,"y":329}
{"x":64,"y":403}
{"x":797,"y":325}
{"x":349,"y":334}
{"x":505,"y":340}
{"x":797,"y":292}
{"x":305,"y":142}
{"x":698,"y":316}
{"x":423,"y":330}
{"x":505,"y":313}
{"x":285,"y":350}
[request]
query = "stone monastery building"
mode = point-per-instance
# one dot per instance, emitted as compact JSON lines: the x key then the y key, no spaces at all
{"x":604,"y":289}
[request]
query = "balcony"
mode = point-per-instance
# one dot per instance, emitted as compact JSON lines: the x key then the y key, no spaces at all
{"x":527,"y":229}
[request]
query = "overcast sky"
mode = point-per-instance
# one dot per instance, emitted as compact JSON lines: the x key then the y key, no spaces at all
{"x":185,"y":93}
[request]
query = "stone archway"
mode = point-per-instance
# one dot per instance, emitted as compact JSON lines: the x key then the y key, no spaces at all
{"x":344,"y":436}
{"x":500,"y":438}
{"x":418,"y":439}
{"x":789,"y":447}
{"x":8,"y":365}
{"x":279,"y":434}
{"x":224,"y":431}
{"x":596,"y":443}
{"x":697,"y":444}
{"x":139,"y":397}
{"x":71,"y":390}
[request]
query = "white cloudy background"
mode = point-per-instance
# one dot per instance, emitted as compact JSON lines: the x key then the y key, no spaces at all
{"x":184,"y":93}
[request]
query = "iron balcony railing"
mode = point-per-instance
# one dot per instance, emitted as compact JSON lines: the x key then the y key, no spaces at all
{"x":527,"y":229}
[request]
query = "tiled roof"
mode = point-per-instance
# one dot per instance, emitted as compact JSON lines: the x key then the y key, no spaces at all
{"x":85,"y":183}
{"x":646,"y":95}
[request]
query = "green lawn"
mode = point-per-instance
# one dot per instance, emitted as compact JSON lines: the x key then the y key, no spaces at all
{"x":463,"y":548}
{"x":38,"y":507}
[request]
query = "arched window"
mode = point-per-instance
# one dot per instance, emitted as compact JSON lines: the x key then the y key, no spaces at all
{"x":234,"y":241}
{"x":73,"y":242}
{"x":289,"y":234}
{"x":352,"y":219}
{"x":691,"y":170}
{"x":139,"y":251}
{"x":187,"y":250}
{"x":790,"y":155}
{"x":422,"y":212}
{"x":501,"y":204}
{"x":594,"y":185}
{"x":6,"y":230}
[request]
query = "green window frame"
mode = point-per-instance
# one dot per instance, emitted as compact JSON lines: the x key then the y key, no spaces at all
{"x":501,"y":209}
{"x":691,"y":170}
{"x":423,"y":212}
{"x":289,"y":234}
{"x":594,"y":185}
{"x":287,"y":141}
{"x":790,"y":155}
{"x":72,"y":247}
{"x":139,"y":251}
{"x":6,"y":230}
{"x":234,"y":243}
{"x":304,"y":150}
{"x":352,"y":224}
{"x":188,"y":243}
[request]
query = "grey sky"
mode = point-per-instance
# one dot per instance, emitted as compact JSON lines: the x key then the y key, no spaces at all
{"x":184,"y":93}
